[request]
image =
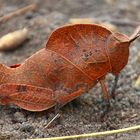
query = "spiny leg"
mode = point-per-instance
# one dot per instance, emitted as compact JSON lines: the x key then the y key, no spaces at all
{"x":66,"y":98}
{"x":114,"y":86}
{"x":105,"y":97}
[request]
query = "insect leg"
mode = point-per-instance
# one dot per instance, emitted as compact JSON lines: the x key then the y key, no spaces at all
{"x":105,"y":96}
{"x":65,"y":98}
{"x":114,"y":86}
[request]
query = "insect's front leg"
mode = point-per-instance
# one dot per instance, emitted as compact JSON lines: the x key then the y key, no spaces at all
{"x":105,"y":97}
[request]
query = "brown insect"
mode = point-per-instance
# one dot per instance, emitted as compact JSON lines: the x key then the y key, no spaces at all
{"x":75,"y":59}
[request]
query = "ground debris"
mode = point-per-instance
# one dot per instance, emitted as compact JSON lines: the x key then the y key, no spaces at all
{"x":106,"y":24}
{"x":18,"y":12}
{"x":6,"y":136}
{"x":137,"y":83}
{"x":12,"y":40}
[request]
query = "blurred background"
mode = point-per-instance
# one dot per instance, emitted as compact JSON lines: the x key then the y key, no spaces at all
{"x":117,"y":15}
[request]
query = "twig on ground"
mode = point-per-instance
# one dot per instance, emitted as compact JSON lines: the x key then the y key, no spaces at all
{"x":54,"y":118}
{"x":96,"y":134}
{"x":122,"y":22}
{"x":18,"y":12}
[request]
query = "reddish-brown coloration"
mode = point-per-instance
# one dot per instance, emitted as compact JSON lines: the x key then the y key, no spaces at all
{"x":76,"y":57}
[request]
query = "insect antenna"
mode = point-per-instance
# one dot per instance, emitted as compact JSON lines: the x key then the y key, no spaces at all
{"x":135,"y":35}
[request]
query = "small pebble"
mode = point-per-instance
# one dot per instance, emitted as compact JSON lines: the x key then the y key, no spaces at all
{"x":29,"y":15}
{"x":27,"y":128}
{"x":1,"y":122}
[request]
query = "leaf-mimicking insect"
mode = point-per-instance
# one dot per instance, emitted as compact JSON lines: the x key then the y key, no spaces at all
{"x":75,"y":59}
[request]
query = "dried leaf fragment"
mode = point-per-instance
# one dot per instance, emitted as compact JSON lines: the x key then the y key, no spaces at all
{"x":108,"y":25}
{"x":12,"y":40}
{"x":81,"y":20}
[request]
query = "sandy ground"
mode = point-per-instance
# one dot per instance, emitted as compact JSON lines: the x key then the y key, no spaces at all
{"x":83,"y":115}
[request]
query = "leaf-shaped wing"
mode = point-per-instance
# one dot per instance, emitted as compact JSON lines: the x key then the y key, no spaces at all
{"x":82,"y":44}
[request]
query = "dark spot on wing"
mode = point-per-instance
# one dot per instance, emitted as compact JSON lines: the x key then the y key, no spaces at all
{"x":84,"y":50}
{"x":21,"y":88}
